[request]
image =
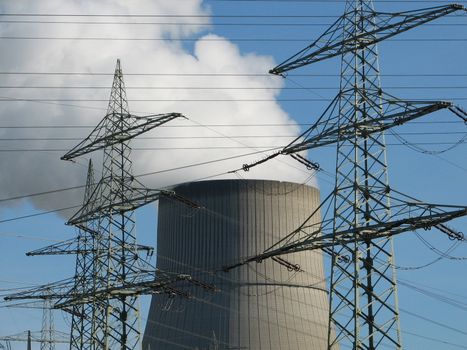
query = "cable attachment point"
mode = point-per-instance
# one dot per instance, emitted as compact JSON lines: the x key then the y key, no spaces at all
{"x":459,"y":112}
{"x":290,"y":267}
{"x":309,"y":164}
{"x":247,"y":167}
{"x":452,"y":234}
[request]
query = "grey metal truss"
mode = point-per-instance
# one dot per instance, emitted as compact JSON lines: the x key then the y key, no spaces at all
{"x":83,"y":246}
{"x":111,"y":269}
{"x":109,"y":211}
{"x":363,"y":212}
{"x":48,"y":328}
{"x":82,"y":325}
{"x":120,"y":271}
{"x":64,"y":297}
{"x":48,"y":336}
{"x":340,"y":38}
{"x":34,"y":337}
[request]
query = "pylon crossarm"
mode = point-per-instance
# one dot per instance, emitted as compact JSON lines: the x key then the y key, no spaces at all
{"x":59,"y":337}
{"x":394,"y":113}
{"x":143,"y":284}
{"x":312,"y":225}
{"x":136,"y":198}
{"x":50,"y":291}
{"x":247,"y":167}
{"x":71,"y":246}
{"x":101,"y":138}
{"x":409,"y":216}
{"x":325,"y":42}
{"x":27,"y":305}
{"x":171,"y":195}
{"x":461,"y":113}
{"x":332,"y":43}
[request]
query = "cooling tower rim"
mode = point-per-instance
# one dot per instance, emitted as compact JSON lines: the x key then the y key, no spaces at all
{"x":251,"y":181}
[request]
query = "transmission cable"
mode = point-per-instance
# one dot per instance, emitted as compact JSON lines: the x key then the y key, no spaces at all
{"x":213,"y":40}
{"x":415,"y":146}
{"x":178,"y":74}
{"x":216,"y":24}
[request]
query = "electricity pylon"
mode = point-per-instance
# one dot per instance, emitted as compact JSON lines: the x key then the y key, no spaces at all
{"x":48,"y":336}
{"x":110,"y":211}
{"x":83,"y":246}
{"x":48,"y":327}
{"x":366,"y":211}
{"x":112,"y":272}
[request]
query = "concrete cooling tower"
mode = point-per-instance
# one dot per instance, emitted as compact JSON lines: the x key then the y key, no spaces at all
{"x":262,"y":306}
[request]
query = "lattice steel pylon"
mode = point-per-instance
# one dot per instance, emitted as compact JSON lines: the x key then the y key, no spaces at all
{"x":48,"y":328}
{"x":367,"y":212}
{"x":108,"y":215}
{"x":82,"y":325}
{"x":111,"y":272}
{"x":83,"y":246}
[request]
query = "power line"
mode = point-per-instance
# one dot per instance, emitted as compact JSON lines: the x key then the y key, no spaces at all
{"x":460,"y":74}
{"x":140,"y":175}
{"x":436,"y":340}
{"x":429,"y":320}
{"x":19,"y":99}
{"x":69,"y":87}
{"x":159,"y":15}
{"x":243,"y":24}
{"x":438,"y":122}
{"x":218,"y":16}
{"x":211,"y":147}
{"x":443,"y":133}
{"x":53,"y":211}
{"x":415,"y":315}
{"x":343,"y":1}
{"x":204,"y":39}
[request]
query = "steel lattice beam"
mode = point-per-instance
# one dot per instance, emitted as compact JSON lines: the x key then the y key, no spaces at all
{"x":100,"y":138}
{"x":110,"y":270}
{"x":339,"y":39}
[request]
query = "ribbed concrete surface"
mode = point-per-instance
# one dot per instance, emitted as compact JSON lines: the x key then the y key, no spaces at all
{"x":260,"y":306}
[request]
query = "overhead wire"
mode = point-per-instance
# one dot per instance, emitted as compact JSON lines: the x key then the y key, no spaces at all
{"x":192,"y":100}
{"x":441,"y":254}
{"x":216,"y":148}
{"x":436,"y":296}
{"x":216,"y":24}
{"x":136,"y":176}
{"x":187,"y":15}
{"x":416,"y":146}
{"x":214,"y":40}
{"x":448,"y":327}
{"x":343,"y":1}
{"x":178,"y":74}
{"x":436,"y":340}
{"x":215,"y":88}
{"x":51,"y":138}
{"x":421,"y":317}
{"x":48,"y":126}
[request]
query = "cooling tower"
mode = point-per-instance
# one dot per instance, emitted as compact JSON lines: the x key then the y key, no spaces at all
{"x":262,"y":306}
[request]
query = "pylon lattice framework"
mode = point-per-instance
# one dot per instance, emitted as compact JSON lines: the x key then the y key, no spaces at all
{"x":119,"y":272}
{"x":367,"y":212}
{"x":110,"y":272}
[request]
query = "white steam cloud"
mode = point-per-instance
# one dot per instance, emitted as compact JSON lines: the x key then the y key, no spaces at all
{"x":30,"y":172}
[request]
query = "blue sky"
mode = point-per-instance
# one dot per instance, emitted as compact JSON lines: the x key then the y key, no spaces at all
{"x":427,"y":62}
